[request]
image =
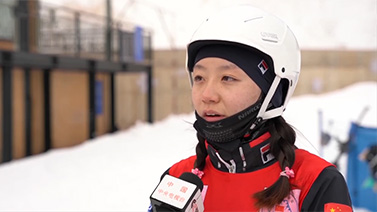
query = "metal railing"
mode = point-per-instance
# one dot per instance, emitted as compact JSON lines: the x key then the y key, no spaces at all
{"x":64,"y":31}
{"x":68,"y":32}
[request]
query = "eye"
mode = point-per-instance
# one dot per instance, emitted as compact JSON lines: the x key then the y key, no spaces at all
{"x":228,"y":78}
{"x":197,"y":78}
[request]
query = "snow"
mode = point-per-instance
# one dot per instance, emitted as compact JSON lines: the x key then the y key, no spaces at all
{"x":118,"y":172}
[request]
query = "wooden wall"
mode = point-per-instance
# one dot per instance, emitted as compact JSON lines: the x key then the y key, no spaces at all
{"x":37,"y":111}
{"x":103,"y":124}
{"x":18,"y":113}
{"x":6,"y":45}
{"x":130,"y":99}
{"x":324,"y":71}
{"x":69,"y":108}
{"x":171,"y":84}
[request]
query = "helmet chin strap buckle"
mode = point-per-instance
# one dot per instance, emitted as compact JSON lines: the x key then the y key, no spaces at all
{"x":256,"y":122}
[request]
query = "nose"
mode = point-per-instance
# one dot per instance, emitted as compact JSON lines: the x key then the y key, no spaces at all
{"x":210,"y":93}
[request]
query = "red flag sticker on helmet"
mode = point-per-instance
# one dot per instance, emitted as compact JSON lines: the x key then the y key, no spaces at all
{"x":263,"y":67}
{"x":336,"y":207}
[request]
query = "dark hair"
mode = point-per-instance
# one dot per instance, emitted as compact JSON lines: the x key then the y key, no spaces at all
{"x":282,"y":147}
{"x":201,"y":153}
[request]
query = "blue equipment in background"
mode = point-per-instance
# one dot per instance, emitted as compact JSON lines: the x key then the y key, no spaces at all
{"x":361,"y":173}
{"x":360,"y":177}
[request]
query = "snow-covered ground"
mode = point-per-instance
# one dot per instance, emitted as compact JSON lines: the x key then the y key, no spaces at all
{"x":118,"y":172}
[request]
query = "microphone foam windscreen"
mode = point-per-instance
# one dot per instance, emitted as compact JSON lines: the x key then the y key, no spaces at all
{"x":192,"y":178}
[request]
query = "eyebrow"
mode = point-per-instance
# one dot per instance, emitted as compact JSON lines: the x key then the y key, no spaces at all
{"x":221,"y":68}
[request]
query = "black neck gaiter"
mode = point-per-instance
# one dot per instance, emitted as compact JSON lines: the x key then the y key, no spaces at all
{"x":228,"y":129}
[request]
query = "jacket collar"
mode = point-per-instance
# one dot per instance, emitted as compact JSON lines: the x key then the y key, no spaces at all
{"x":243,"y":156}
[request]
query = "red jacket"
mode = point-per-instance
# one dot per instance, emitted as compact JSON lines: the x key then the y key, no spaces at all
{"x":233,"y":191}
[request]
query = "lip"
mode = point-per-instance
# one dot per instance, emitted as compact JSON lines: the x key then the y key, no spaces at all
{"x":212,"y":118}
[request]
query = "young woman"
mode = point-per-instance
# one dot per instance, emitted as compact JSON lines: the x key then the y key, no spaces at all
{"x":244,"y":65}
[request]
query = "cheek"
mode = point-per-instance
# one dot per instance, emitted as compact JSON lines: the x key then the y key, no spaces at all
{"x":243,"y":100}
{"x":238,"y":103}
{"x":194,"y":98}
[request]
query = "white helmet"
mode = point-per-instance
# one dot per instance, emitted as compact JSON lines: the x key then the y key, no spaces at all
{"x":252,"y":27}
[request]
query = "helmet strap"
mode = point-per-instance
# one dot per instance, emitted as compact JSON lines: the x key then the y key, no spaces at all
{"x":268,"y":114}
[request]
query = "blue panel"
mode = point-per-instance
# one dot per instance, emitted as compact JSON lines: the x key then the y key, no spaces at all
{"x":99,"y":97}
{"x":358,"y":171}
{"x":138,"y":44}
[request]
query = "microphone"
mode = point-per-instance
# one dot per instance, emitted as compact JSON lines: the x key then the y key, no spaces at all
{"x":181,"y":194}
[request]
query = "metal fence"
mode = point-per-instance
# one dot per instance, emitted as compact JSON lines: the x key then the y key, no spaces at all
{"x":69,"y":32}
{"x":64,"y":31}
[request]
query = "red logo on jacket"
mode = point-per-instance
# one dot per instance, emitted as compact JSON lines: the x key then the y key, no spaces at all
{"x":266,"y":153}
